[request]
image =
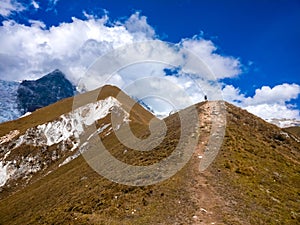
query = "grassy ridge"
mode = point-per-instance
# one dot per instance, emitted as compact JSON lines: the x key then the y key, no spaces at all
{"x":258,"y":172}
{"x":75,"y":194}
{"x":256,"y":175}
{"x":53,"y":111}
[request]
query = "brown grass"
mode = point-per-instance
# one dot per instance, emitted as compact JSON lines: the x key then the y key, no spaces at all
{"x":256,"y":175}
{"x":257,"y":172}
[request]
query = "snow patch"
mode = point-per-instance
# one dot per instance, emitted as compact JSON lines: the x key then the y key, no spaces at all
{"x":72,"y":124}
{"x":6,"y":155}
{"x":26,"y":114}
{"x":3,"y":174}
{"x":6,"y":171}
{"x":284,"y":134}
{"x":8,"y":137}
{"x":84,"y":145}
{"x":65,"y":130}
{"x":70,"y":158}
{"x":98,"y":131}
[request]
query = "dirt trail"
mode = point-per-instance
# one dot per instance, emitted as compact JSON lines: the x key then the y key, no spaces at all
{"x":208,"y":203}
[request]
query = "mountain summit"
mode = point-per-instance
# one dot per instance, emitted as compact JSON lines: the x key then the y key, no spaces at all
{"x":45,"y":177}
{"x":32,"y":95}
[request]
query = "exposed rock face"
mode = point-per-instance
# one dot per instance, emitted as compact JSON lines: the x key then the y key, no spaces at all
{"x":49,"y":89}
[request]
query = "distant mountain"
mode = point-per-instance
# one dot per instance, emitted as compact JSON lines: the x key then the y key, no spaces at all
{"x":16,"y":98}
{"x":35,"y":94}
{"x":150,"y":109}
{"x":44,"y":179}
{"x":8,"y":101}
{"x":284,"y":123}
{"x":142,"y":103}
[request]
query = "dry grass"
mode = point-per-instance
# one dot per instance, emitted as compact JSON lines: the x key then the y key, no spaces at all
{"x":293,"y":131}
{"x":75,"y":194}
{"x":256,"y":174}
{"x":53,"y":111}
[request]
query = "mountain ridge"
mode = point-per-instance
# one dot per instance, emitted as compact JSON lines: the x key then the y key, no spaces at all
{"x":253,"y":179}
{"x":57,"y":127}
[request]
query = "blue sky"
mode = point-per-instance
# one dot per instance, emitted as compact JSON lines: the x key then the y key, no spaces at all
{"x":263,"y":36}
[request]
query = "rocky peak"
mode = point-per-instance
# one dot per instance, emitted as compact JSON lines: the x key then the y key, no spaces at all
{"x":35,"y":94}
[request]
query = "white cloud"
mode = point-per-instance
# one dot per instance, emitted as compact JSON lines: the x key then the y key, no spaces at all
{"x":28,"y":52}
{"x":278,"y":94}
{"x":35,"y":4}
{"x":221,"y":66}
{"x":267,"y":102}
{"x":142,"y":72}
{"x":33,"y":50}
{"x":270,"y":111}
{"x":37,"y":23}
{"x":232,"y":94}
{"x":52,"y":3}
{"x":7,"y":7}
{"x":138,"y":25}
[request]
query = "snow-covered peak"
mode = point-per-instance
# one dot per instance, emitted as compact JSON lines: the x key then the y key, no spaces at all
{"x":283,"y":123}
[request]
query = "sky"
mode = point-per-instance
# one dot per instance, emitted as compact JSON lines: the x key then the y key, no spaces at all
{"x":252,"y":47}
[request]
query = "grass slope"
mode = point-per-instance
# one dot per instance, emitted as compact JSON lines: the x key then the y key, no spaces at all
{"x":75,"y":194}
{"x":256,"y":175}
{"x":293,"y":130}
{"x":51,"y":112}
{"x":257,"y":172}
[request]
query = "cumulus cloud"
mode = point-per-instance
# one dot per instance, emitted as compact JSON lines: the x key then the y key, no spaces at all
{"x":7,"y":7}
{"x":232,"y":94}
{"x":137,"y":25}
{"x":267,"y":102}
{"x":278,"y":94}
{"x":271,"y":111}
{"x":37,"y":23}
{"x":221,"y":66}
{"x":71,"y":47}
{"x":30,"y":51}
{"x":145,"y":64}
